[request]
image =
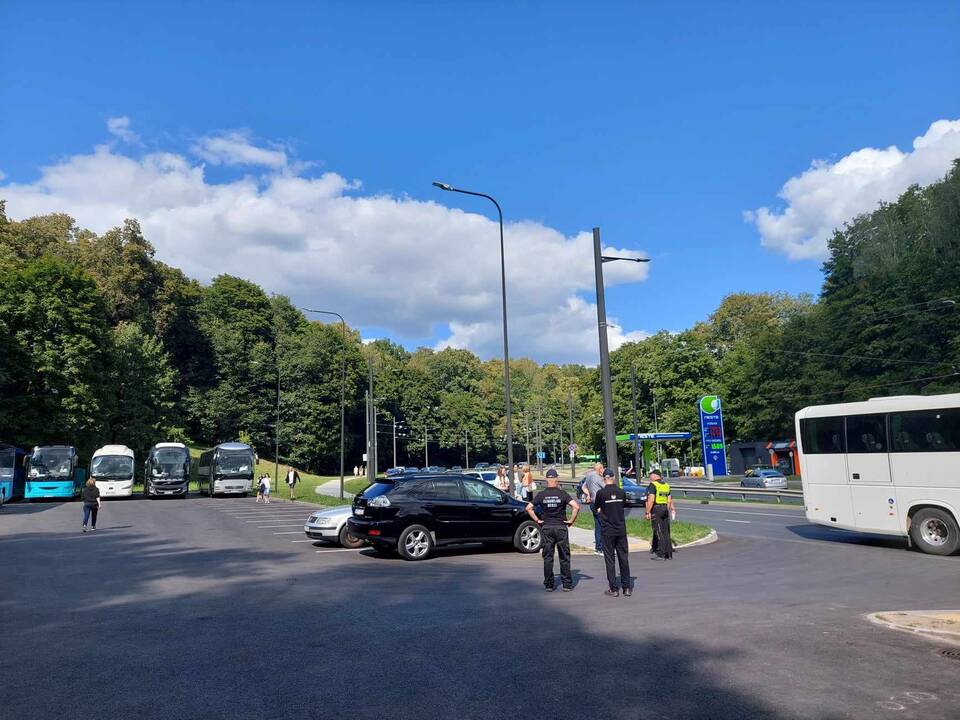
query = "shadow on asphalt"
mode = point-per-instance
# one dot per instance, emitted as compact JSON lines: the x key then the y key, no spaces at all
{"x":30,"y":507}
{"x":809,"y":531}
{"x":197,"y":630}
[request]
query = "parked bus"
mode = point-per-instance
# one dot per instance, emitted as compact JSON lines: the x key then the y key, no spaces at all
{"x":12,"y":472}
{"x":228,"y":468}
{"x":167,"y":470}
{"x":112,"y":469}
{"x":886,"y":465}
{"x":53,"y":472}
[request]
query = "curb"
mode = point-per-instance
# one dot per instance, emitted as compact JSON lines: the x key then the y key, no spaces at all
{"x":940,"y":636}
{"x":711,"y":538}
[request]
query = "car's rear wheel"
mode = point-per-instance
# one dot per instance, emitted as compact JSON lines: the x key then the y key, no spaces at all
{"x":347,"y":540}
{"x":935,"y":531}
{"x":528,"y":538}
{"x":415,"y":543}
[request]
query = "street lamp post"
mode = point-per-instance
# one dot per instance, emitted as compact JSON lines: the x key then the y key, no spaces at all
{"x":343,"y":382}
{"x":610,"y":431}
{"x":573,"y":466}
{"x":636,"y":426}
{"x":466,"y":450}
{"x":503,"y":293}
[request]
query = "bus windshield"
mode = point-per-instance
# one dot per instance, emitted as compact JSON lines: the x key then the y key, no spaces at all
{"x":112,"y":466}
{"x":234,"y":462}
{"x":6,"y":463}
{"x":169,"y":462}
{"x":51,"y":462}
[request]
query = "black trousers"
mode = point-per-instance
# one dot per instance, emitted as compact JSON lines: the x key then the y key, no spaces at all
{"x":660,"y":519}
{"x":615,"y":550}
{"x":559,"y":538}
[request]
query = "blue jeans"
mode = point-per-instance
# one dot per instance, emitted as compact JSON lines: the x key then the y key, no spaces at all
{"x":597,"y":540}
{"x":89,"y":510}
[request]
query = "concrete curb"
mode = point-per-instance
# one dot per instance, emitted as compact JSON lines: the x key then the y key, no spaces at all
{"x":883,"y":619}
{"x":711,"y":538}
{"x":636,"y":544}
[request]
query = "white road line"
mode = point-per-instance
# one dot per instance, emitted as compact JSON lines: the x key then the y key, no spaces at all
{"x":280,"y":525}
{"x":295,"y":532}
{"x":303,"y":541}
{"x":340,"y":550}
{"x":746,"y":522}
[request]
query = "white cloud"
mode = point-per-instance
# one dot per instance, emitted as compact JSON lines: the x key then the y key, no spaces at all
{"x":416,"y":269}
{"x":821,"y":199}
{"x":120,"y":127}
{"x":235,"y":148}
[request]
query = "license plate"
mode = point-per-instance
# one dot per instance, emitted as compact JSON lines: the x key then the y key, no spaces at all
{"x":358,"y":511}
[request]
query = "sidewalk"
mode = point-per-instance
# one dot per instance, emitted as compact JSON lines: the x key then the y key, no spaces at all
{"x":584,"y":539}
{"x":937,"y":625}
{"x":332,"y":488}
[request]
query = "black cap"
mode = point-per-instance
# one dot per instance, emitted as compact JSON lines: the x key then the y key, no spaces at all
{"x":609,"y":473}
{"x":656,"y":472}
{"x":552,"y":473}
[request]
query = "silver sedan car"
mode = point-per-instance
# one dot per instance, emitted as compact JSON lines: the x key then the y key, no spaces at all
{"x":331,"y":525}
{"x":768,"y":479}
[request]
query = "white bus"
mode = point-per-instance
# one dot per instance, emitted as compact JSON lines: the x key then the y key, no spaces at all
{"x":112,"y":470}
{"x":886,"y":465}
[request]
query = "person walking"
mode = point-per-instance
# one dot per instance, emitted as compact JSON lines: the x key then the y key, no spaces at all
{"x":260,"y":488}
{"x":356,"y":471}
{"x":91,"y":504}
{"x":293,"y":477}
{"x":660,"y":510}
{"x":502,"y":483}
{"x":609,"y":503}
{"x":553,"y":522}
{"x":592,"y":484}
{"x":265,"y":484}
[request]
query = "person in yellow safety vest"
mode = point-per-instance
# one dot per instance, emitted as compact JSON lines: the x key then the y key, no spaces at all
{"x":660,"y":509}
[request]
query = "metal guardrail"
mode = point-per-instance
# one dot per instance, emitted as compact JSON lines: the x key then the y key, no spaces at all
{"x":715,"y":492}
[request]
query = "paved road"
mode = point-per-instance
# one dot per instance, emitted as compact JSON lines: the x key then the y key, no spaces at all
{"x":208,"y":609}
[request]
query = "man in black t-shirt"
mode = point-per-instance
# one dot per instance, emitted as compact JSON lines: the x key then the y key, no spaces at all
{"x":553,"y":525}
{"x":613,"y":529}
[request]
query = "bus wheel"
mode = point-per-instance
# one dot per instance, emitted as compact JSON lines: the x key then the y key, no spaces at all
{"x":935,"y":531}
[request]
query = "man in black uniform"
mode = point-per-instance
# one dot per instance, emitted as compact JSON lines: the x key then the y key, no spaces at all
{"x":553,"y":508}
{"x":659,"y":510}
{"x":609,"y":506}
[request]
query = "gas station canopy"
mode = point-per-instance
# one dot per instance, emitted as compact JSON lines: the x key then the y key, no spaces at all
{"x":630,"y":437}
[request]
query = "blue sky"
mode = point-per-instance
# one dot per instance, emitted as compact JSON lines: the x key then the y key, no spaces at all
{"x":660,"y":122}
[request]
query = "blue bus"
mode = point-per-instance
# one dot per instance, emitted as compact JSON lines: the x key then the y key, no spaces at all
{"x":11,"y":472}
{"x":53,"y":472}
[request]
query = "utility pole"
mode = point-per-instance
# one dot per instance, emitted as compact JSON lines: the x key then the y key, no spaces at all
{"x":371,"y":427}
{"x":466,"y":450}
{"x":539,"y":438}
{"x":608,"y":422}
{"x":656,"y":426}
{"x":636,"y":426}
{"x":426,"y":452}
{"x":526,"y":427}
{"x":573,"y":465}
{"x":394,"y":441}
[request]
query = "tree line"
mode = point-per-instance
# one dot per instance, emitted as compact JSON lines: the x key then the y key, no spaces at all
{"x":101,"y":342}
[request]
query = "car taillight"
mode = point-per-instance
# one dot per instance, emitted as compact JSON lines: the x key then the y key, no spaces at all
{"x":374,"y":532}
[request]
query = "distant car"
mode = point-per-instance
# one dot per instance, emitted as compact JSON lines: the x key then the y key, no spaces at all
{"x":757,"y":468}
{"x":409,"y":470}
{"x":394,"y":471}
{"x":481,"y":466}
{"x":488,"y":476}
{"x":635,"y":494}
{"x":331,"y":525}
{"x":413,"y":516}
{"x":456,"y":468}
{"x":434,"y":469}
{"x":768,"y":479}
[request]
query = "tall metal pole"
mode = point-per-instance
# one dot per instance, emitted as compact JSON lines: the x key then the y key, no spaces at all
{"x":656,"y":425}
{"x":539,"y":439}
{"x":636,"y":425}
{"x":608,"y":426}
{"x":394,"y":441}
{"x":506,"y":345}
{"x":573,"y":465}
{"x":426,"y":451}
{"x":276,"y":434}
{"x":371,"y":427}
{"x":466,"y":450}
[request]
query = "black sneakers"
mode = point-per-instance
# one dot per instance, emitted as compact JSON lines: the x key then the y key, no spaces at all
{"x":611,"y":593}
{"x":627,"y":592}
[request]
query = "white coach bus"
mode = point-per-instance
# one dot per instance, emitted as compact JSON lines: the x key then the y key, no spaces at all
{"x":112,"y":469}
{"x":887,"y":465}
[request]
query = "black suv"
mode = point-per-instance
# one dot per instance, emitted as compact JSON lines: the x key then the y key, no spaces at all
{"x":414,"y":514}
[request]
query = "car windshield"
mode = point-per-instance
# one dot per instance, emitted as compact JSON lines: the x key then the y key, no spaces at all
{"x":6,"y":463}
{"x":51,"y":463}
{"x":169,"y":462}
{"x":112,"y":466}
{"x":234,"y":462}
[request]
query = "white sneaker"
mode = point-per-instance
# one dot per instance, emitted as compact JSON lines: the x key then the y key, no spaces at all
{"x":84,"y":528}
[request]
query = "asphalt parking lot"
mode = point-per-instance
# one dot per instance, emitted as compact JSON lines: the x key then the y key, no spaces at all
{"x":205,"y":608}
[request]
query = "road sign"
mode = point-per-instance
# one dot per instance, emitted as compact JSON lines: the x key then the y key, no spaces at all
{"x":572,"y":447}
{"x":711,"y":434}
{"x":541,"y":455}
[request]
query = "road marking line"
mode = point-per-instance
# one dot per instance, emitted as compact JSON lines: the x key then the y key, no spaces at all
{"x":746,"y":522}
{"x":340,"y":550}
{"x":294,"y":532}
{"x":279,"y":525}
{"x":303,"y":541}
{"x":796,"y":516}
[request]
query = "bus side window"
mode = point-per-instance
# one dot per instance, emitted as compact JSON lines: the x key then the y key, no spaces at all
{"x":926,"y":430}
{"x":866,"y":434}
{"x":823,"y":435}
